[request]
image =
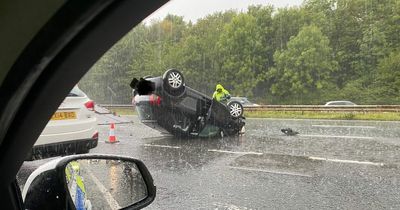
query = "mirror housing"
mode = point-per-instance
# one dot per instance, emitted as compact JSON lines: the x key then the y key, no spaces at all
{"x":47,"y":188}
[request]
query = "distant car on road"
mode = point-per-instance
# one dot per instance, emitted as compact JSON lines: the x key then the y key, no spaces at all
{"x":340,"y":103}
{"x":71,"y":129}
{"x":165,"y":103}
{"x":244,"y":101}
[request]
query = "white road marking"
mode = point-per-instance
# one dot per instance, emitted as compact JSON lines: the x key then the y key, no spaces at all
{"x":311,"y":157}
{"x":162,"y":146}
{"x":234,"y":152}
{"x":347,"y":161}
{"x":107,"y":195}
{"x":229,"y":206}
{"x":269,"y":171}
{"x":344,"y":126}
{"x":346,"y":137}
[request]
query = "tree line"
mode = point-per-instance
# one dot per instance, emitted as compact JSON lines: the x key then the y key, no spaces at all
{"x":320,"y":51}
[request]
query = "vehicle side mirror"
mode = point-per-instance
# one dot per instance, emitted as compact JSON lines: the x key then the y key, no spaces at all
{"x":90,"y":182}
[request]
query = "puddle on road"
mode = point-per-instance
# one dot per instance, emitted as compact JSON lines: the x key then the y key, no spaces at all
{"x":311,"y":167}
{"x":279,"y":163}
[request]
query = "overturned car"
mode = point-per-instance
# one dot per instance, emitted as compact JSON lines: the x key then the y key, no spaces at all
{"x":165,"y":103}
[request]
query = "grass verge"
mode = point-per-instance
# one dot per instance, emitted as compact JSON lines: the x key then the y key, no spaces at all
{"x":124,"y":111}
{"x":381,"y":116}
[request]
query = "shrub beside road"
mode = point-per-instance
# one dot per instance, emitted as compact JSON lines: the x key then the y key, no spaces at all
{"x":123,"y":111}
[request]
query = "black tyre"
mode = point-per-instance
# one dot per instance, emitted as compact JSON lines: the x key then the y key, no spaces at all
{"x":235,"y":109}
{"x":174,"y":82}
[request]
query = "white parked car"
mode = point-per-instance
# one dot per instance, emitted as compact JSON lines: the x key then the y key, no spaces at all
{"x":244,"y":101}
{"x":71,"y":129}
{"x":340,"y":103}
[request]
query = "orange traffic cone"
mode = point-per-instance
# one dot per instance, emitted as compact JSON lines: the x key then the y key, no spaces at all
{"x":111,"y":138}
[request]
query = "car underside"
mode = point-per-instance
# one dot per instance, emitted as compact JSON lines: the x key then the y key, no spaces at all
{"x":165,"y":103}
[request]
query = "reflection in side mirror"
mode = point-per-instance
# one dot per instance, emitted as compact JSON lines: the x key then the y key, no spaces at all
{"x":100,"y":183}
{"x":90,"y":182}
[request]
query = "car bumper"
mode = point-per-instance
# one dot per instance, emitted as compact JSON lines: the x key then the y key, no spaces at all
{"x":58,"y":132}
{"x":62,"y":148}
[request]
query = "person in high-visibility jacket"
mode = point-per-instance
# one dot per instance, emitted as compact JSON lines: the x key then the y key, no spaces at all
{"x":220,"y":94}
{"x":76,"y":186}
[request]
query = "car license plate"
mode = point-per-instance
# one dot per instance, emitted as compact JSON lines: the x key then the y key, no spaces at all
{"x":63,"y":116}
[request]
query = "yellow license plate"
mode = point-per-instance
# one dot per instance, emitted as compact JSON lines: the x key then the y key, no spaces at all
{"x":63,"y":116}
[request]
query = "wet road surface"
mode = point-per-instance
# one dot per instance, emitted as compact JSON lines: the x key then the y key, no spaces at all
{"x":329,"y":165}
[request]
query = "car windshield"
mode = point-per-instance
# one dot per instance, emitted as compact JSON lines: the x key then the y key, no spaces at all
{"x":281,"y":146}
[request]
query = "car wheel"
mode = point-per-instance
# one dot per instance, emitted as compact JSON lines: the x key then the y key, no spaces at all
{"x":235,"y":109}
{"x":174,"y":82}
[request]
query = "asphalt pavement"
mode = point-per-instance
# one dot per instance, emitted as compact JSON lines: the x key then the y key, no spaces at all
{"x":330,"y":165}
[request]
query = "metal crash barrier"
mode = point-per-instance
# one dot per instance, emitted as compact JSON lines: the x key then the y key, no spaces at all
{"x":304,"y":108}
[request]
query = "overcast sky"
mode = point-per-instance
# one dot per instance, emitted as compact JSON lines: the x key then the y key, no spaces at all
{"x":195,"y":9}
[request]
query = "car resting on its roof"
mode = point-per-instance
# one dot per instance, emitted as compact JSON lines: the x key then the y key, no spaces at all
{"x":165,"y":103}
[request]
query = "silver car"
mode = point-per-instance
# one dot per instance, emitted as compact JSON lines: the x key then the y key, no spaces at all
{"x":340,"y":103}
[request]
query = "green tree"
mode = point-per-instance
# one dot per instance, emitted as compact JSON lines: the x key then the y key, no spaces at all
{"x":392,"y":23}
{"x":244,"y":52}
{"x":373,"y":47}
{"x":108,"y":80}
{"x":305,"y":67}
{"x":197,"y":55}
{"x":287,"y":22}
{"x":323,"y":49}
{"x":388,"y":79}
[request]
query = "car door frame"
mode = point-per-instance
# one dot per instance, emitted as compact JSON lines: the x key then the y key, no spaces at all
{"x":57,"y":57}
